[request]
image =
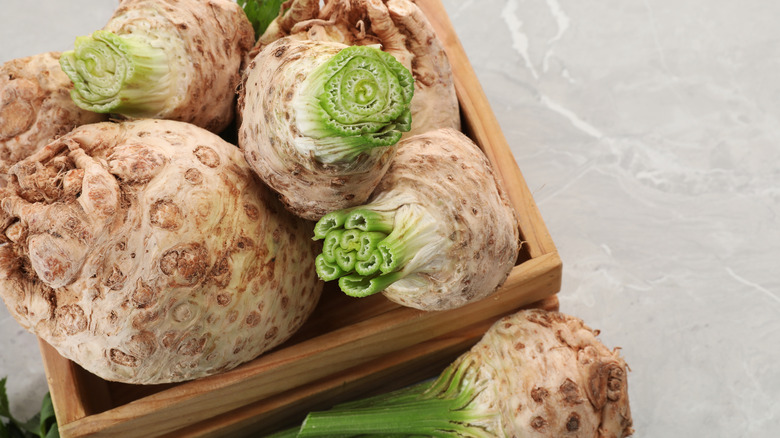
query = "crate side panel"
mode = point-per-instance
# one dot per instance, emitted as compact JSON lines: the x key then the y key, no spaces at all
{"x":317,"y":358}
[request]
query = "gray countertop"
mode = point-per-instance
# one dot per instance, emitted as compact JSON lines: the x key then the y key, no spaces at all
{"x":649,"y":134}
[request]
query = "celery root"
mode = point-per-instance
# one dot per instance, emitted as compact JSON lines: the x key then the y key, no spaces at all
{"x":437,"y":233}
{"x":400,"y":27}
{"x":320,"y":121}
{"x":148,"y":252}
{"x":167,"y":59}
{"x":533,"y":374}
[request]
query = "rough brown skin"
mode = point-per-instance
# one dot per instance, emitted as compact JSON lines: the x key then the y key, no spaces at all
{"x":446,"y":174}
{"x":217,"y":36}
{"x":267,"y":132}
{"x":548,"y":375}
{"x":402,"y":30}
{"x":35,"y":107}
{"x":147,"y":252}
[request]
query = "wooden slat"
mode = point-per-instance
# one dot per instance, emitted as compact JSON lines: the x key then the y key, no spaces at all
{"x":486,"y":130}
{"x":73,"y":394}
{"x":385,"y":374}
{"x":308,"y":361}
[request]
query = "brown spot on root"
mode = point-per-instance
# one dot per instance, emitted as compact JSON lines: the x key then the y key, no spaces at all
{"x":538,"y":423}
{"x":116,"y":279}
{"x":71,"y":183}
{"x":143,"y":319}
{"x":122,"y":358}
{"x":244,"y":243}
{"x":605,"y":381}
{"x":71,"y":319}
{"x":143,"y":296}
{"x":232,"y":316}
{"x":207,"y":156}
{"x":136,"y":164}
{"x":51,"y":260}
{"x":539,"y":393}
{"x":186,"y":264}
{"x":193,"y":176}
{"x":165,"y":214}
{"x":221,"y":272}
{"x":615,"y":383}
{"x":101,"y":197}
{"x":223,"y":299}
{"x":251,"y":211}
{"x":541,"y":319}
{"x":192,"y":346}
{"x":239,"y":345}
{"x":338,"y":181}
{"x":253,"y":319}
{"x":570,"y":392}
{"x":169,"y":339}
{"x":271,"y":333}
{"x":142,"y":345}
{"x":573,"y":422}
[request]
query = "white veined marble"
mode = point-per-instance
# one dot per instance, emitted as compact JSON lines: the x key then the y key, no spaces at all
{"x":649,"y":134}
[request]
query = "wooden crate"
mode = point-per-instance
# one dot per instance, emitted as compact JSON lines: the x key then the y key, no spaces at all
{"x":349,"y":347}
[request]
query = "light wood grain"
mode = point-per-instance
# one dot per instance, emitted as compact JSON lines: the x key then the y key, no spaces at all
{"x":313,"y":359}
{"x":390,"y":372}
{"x":346,"y":348}
{"x":74,"y":392}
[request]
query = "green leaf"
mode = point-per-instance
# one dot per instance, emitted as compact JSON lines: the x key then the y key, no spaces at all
{"x":5,"y":410}
{"x":42,"y":424}
{"x":47,"y":420}
{"x":54,"y":432}
{"x":15,"y":432}
{"x":31,"y":426}
{"x":261,"y":13}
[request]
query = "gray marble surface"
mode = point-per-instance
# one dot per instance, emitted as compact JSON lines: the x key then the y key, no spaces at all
{"x":649,"y":134}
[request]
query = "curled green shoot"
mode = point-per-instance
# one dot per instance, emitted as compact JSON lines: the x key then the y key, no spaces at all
{"x":370,"y":220}
{"x":326,"y":270}
{"x":119,"y":74}
{"x":350,"y":240}
{"x":345,"y":259}
{"x":331,"y":242}
{"x":357,"y":100}
{"x":370,"y":266}
{"x":368,"y":242}
{"x":331,"y":221}
{"x":362,"y":286}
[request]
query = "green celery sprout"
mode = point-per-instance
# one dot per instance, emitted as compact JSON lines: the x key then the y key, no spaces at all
{"x":368,"y":248}
{"x":357,"y":100}
{"x":119,"y":74}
